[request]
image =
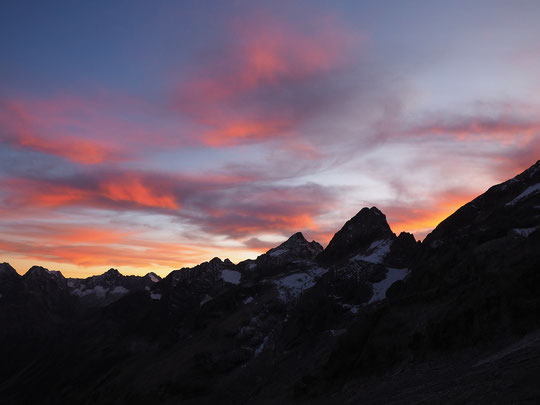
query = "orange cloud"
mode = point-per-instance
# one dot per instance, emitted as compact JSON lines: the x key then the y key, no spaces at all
{"x":234,"y":132}
{"x":132,"y":189}
{"x":52,"y":195}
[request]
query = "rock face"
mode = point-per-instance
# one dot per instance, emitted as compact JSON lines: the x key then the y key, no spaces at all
{"x":373,"y":318}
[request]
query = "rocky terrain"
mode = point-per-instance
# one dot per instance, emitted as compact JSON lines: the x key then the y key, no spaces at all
{"x":373,"y":318}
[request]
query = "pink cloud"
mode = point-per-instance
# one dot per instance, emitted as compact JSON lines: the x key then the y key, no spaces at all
{"x":501,"y":128}
{"x":262,"y":87}
{"x":88,"y":130}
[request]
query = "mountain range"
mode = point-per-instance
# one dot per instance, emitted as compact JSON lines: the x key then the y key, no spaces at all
{"x":373,"y":318}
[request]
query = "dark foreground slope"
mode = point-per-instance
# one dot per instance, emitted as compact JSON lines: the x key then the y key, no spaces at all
{"x":373,"y":318}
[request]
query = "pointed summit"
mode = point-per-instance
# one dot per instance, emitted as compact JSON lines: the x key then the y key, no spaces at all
{"x":112,"y":273}
{"x":153,"y":277}
{"x":294,"y":240}
{"x":40,"y":272}
{"x":7,"y":269}
{"x":358,"y":233}
{"x":298,"y":236}
{"x":297,"y":246}
{"x":216,"y":261}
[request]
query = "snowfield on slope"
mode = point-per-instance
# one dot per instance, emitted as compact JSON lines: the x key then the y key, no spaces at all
{"x":278,"y":252}
{"x":98,"y":291}
{"x":380,"y":288}
{"x":293,"y":285}
{"x":231,"y":276}
{"x":530,"y":190}
{"x":524,"y":232}
{"x":377,"y":252}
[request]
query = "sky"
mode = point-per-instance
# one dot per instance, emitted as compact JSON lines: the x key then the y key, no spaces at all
{"x":152,"y":135}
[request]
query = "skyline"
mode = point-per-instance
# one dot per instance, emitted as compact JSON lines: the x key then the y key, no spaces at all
{"x":148,"y":137}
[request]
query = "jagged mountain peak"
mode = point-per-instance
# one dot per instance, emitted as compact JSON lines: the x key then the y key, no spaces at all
{"x":407,"y":236}
{"x":297,"y":246}
{"x":112,"y":273}
{"x":108,"y":287}
{"x":295,"y":240}
{"x":366,"y":213}
{"x":367,"y":226}
{"x":216,"y":261}
{"x":298,"y":236}
{"x":39,"y":271}
{"x":153,"y":276}
{"x":6,"y":268}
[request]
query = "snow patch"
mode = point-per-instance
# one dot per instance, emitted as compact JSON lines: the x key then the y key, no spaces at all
{"x":153,"y":278}
{"x":294,"y":284}
{"x":278,"y":252}
{"x":380,"y":288}
{"x":377,"y":252}
{"x":119,"y":290}
{"x":98,"y":291}
{"x":248,"y":300}
{"x":231,"y":276}
{"x":530,"y":190}
{"x":206,"y":299}
{"x":261,"y":347}
{"x":155,"y":296}
{"x":524,"y":232}
{"x":251,"y":266}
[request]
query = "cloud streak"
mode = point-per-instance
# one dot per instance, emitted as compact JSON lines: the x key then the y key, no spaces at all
{"x":218,"y":204}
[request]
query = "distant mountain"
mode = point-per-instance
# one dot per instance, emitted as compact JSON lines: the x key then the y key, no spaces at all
{"x":373,"y":318}
{"x":109,"y":287}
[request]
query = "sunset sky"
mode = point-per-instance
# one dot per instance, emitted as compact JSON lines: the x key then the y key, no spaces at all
{"x":151,"y":135}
